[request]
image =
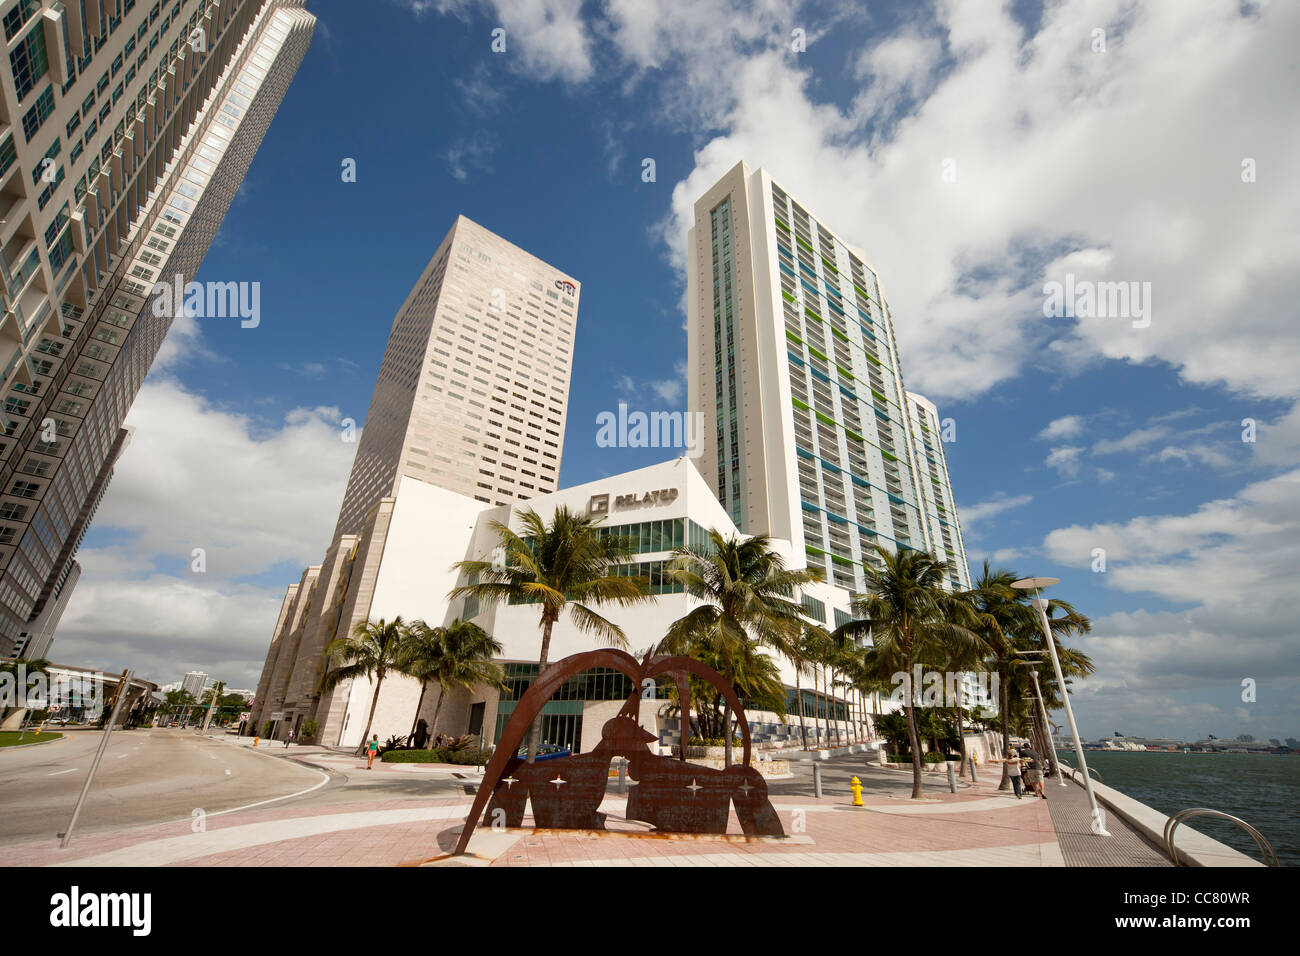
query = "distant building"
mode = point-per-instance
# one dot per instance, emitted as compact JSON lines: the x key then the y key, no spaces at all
{"x":193,"y":683}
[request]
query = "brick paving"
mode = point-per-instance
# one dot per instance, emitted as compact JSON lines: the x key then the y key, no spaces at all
{"x":977,"y":826}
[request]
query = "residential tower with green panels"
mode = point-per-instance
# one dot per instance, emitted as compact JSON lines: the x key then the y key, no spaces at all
{"x":810,"y":433}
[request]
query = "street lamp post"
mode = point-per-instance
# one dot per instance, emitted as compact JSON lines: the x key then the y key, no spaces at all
{"x":1033,"y":584}
{"x":1047,"y":726}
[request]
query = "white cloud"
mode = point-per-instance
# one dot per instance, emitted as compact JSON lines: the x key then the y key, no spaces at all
{"x":1062,"y":428}
{"x":547,"y":39}
{"x":195,"y":476}
{"x":1134,"y":440}
{"x":1065,"y":460}
{"x":986,"y":509}
{"x":1237,"y":552}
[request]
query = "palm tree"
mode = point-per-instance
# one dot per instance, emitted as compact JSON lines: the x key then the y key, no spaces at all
{"x":456,"y":656}
{"x":912,"y":619}
{"x":800,"y":648}
{"x":1007,"y":624}
{"x":564,"y":565}
{"x":747,"y":601}
{"x":372,"y":650}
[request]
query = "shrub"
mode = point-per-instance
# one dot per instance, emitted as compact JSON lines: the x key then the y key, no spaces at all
{"x":465,"y":757}
{"x":714,"y":742}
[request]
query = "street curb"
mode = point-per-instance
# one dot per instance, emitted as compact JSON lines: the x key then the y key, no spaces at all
{"x":34,"y":743}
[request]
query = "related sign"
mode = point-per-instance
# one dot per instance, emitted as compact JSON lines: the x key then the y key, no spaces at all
{"x":565,"y":286}
{"x":604,"y":504}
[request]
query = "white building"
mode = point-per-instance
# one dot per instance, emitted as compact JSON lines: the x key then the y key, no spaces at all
{"x":126,"y":127}
{"x":193,"y":684}
{"x":809,"y":431}
{"x":473,"y":389}
{"x":429,"y":528}
{"x":810,"y":437}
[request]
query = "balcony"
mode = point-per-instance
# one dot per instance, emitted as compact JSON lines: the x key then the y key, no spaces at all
{"x":53,"y":19}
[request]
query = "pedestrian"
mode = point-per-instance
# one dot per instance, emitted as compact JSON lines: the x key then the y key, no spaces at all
{"x":372,"y":748}
{"x":1033,"y":771}
{"x":1013,"y":761}
{"x":288,"y":740}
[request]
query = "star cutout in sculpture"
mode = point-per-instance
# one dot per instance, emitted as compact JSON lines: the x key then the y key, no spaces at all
{"x":693,"y":786}
{"x":510,"y":782}
{"x":558,"y":781}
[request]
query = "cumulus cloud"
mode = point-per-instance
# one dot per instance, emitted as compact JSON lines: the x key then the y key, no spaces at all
{"x":194,"y":476}
{"x":1070,"y":426}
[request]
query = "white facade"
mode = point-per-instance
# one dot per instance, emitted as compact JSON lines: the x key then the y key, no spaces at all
{"x":792,"y":359}
{"x":432,"y":528}
{"x":473,"y":389}
{"x":193,"y":684}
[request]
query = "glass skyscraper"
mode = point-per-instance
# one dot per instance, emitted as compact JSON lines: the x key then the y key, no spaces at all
{"x":126,"y":127}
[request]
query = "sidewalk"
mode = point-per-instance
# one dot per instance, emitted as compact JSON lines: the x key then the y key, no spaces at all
{"x":976,"y":827}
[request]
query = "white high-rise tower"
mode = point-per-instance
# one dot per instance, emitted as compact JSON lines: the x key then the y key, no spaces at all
{"x":810,"y":434}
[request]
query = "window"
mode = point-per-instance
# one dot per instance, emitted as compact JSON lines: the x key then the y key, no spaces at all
{"x":29,"y":62}
{"x":17,"y":18}
{"x":40,"y":111}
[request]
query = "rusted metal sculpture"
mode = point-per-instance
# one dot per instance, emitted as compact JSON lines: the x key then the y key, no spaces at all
{"x":671,"y":794}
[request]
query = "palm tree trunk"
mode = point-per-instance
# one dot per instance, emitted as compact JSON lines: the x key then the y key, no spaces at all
{"x":424,"y":685}
{"x":961,"y":740}
{"x":535,"y":730}
{"x":374,"y":702}
{"x":914,"y":739}
{"x":442,"y":695}
{"x":1003,"y":697}
{"x":803,"y":727}
{"x":835,"y":710}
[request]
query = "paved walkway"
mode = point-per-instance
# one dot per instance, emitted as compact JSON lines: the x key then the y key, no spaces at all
{"x":1072,"y":820}
{"x":975,"y":827}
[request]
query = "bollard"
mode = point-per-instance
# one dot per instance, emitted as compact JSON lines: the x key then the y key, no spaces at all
{"x":817,"y":780}
{"x":952,"y":781}
{"x":974,"y":777}
{"x":622,"y":776}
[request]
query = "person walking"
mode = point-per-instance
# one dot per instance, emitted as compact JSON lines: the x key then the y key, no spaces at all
{"x":372,"y":748}
{"x":288,"y":739}
{"x":1014,"y":762}
{"x":1033,"y":771}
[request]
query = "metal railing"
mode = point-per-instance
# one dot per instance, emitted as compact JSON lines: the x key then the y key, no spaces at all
{"x":1075,"y":770}
{"x":1173,"y":823}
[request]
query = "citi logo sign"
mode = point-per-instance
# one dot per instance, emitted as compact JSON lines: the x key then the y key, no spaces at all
{"x":76,"y":909}
{"x":565,"y":286}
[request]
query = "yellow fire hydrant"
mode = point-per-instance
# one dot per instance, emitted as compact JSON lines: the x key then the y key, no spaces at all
{"x":255,"y":740}
{"x":856,"y":786}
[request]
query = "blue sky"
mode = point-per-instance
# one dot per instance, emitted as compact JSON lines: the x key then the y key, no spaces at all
{"x":1119,"y":163}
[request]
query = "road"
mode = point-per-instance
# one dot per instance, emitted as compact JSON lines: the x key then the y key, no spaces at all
{"x":146,"y":776}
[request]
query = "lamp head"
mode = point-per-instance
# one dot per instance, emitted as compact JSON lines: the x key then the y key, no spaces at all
{"x":1033,"y":584}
